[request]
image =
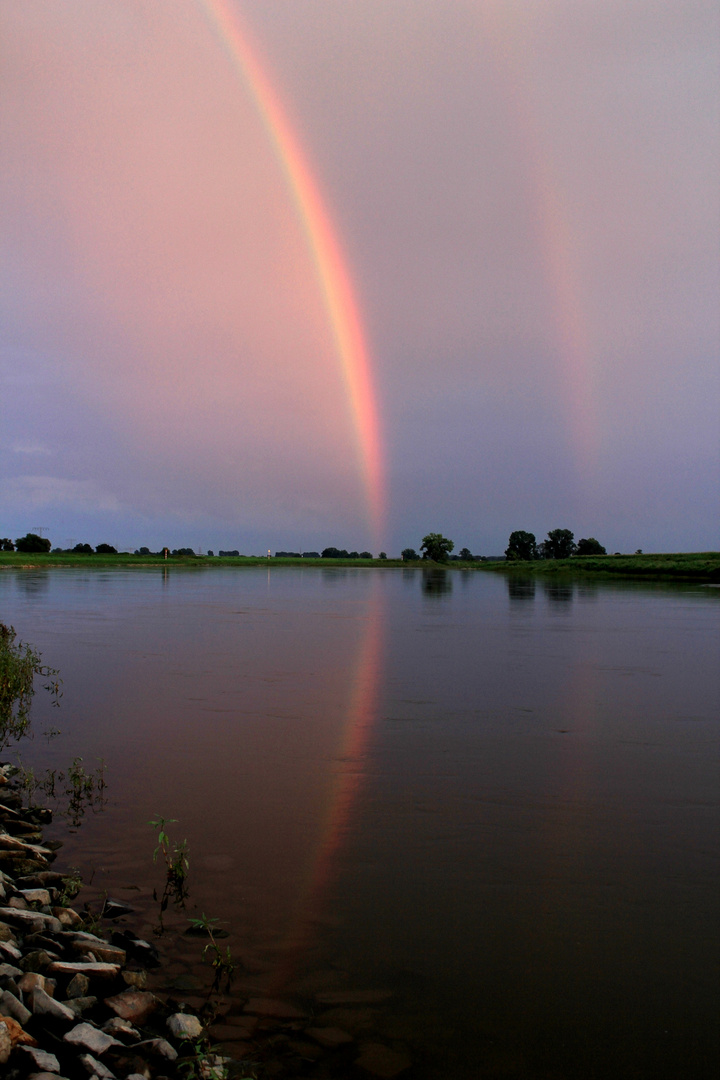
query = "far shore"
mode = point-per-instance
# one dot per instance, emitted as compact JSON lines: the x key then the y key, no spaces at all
{"x":701,"y":566}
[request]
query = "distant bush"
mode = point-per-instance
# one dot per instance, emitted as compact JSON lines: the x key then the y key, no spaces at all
{"x":311,"y":554}
{"x":288,"y":555}
{"x":226,"y":554}
{"x":409,"y":555}
{"x":186,"y":552}
{"x":366,"y":554}
{"x":31,"y":543}
{"x":106,"y":549}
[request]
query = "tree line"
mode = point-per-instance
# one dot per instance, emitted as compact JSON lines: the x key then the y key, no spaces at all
{"x":560,"y":544}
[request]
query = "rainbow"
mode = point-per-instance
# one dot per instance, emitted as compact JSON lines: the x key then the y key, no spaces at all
{"x":331,"y":267}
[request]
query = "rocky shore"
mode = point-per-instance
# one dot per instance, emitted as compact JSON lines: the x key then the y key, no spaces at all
{"x":75,"y":1003}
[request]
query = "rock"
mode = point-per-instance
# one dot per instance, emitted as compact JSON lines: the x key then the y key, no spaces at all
{"x":18,"y":903}
{"x":91,"y":1038}
{"x":9,"y":971}
{"x":95,"y":1067}
{"x":67,"y":916}
{"x":80,"y":1005}
{"x":99,"y":971}
{"x":44,"y":1005}
{"x":5,"y":1043}
{"x":36,"y":896}
{"x":117,"y":1026}
{"x":18,"y":1035}
{"x":133,"y":1005}
{"x":42,"y":1059}
{"x":184,"y":1026}
{"x":382,"y":1061}
{"x":137,"y":979}
{"x":6,"y":932}
{"x":12,"y":1006}
{"x":281,"y":1010}
{"x":140,"y":950}
{"x":113,"y":909}
{"x":329,"y":1036}
{"x":158,"y":1047}
{"x":78,"y":986}
{"x":109,"y":954}
{"x":30,"y":980}
{"x":11,"y":950}
{"x":45,"y":1076}
{"x":36,"y":961}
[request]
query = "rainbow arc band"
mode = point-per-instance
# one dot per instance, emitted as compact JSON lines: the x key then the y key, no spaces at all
{"x":330,"y":264}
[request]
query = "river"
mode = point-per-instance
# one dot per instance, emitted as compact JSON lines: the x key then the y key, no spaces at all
{"x":494,"y":798}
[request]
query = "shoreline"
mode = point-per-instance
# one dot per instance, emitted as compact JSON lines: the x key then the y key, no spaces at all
{"x":701,"y":567}
{"x":81,"y":995}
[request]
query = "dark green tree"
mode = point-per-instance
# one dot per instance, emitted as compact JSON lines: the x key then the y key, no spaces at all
{"x":465,"y":555}
{"x":106,"y":549}
{"x":6,"y":544}
{"x":82,"y":549}
{"x":560,"y":544}
{"x":437,"y":547}
{"x":591,"y":546}
{"x":31,"y":543}
{"x":409,"y":555}
{"x":522,"y":547}
{"x":366,"y":554}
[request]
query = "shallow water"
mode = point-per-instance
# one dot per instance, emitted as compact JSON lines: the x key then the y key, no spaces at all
{"x":496,"y":799}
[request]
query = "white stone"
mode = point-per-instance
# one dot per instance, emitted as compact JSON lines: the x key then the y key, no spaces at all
{"x":91,"y":1038}
{"x":43,"y":1060}
{"x":184,"y":1026}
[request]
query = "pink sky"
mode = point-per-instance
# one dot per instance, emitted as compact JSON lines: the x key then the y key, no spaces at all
{"x":526,"y":196}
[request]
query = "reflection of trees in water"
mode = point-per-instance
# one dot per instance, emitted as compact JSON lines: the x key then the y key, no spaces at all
{"x":408,"y":576}
{"x":436,"y":582}
{"x":560,"y":592}
{"x":33,"y":582}
{"x":520,"y":588}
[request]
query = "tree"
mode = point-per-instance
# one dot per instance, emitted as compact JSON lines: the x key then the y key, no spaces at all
{"x":6,"y":544}
{"x":106,"y":549}
{"x":382,"y":555}
{"x":31,"y":543}
{"x":366,"y":554}
{"x":409,"y":555}
{"x":521,"y":547}
{"x":559,"y":544}
{"x":591,"y":546}
{"x":465,"y":555}
{"x":437,"y":547}
{"x":82,"y":549}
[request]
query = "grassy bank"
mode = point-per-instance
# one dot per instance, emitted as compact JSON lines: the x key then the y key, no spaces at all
{"x":687,"y":566}
{"x":690,"y":566}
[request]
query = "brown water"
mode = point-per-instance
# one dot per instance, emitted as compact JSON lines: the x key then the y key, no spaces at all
{"x":497,"y":800}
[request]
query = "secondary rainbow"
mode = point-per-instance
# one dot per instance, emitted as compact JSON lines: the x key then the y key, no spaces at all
{"x":333,"y":276}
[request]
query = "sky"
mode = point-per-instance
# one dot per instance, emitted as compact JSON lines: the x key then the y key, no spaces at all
{"x":286,"y":275}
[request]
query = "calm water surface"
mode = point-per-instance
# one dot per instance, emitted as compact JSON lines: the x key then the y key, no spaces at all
{"x":498,"y":800}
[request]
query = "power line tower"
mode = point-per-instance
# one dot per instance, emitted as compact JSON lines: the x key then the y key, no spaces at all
{"x":40,"y":529}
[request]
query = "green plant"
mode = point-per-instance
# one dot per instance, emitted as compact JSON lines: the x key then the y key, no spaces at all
{"x":177,"y":865}
{"x":71,"y":886}
{"x":222,"y":962}
{"x":19,"y":665}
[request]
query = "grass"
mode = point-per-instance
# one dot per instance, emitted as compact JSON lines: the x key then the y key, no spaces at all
{"x":695,"y":566}
{"x":678,"y":566}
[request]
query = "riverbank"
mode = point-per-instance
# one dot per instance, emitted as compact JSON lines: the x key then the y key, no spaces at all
{"x":79,"y":991}
{"x":703,"y":566}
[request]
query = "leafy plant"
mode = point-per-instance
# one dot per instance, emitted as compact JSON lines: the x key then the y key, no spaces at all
{"x":19,"y":665}
{"x":177,"y":866}
{"x":222,"y":962}
{"x":71,"y":886}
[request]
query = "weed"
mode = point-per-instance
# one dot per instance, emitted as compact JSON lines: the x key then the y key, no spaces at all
{"x":71,"y":886}
{"x":177,"y":866}
{"x":222,"y":962}
{"x":19,"y":665}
